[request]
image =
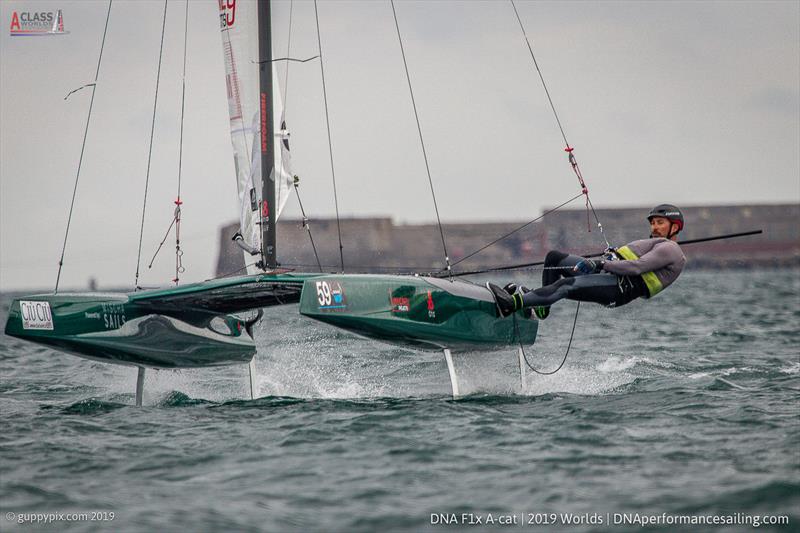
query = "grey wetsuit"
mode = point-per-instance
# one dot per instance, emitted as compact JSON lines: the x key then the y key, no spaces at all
{"x":620,"y":282}
{"x":662,"y":257}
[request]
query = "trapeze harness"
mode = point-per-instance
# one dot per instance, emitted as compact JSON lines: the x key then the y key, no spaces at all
{"x":642,"y":268}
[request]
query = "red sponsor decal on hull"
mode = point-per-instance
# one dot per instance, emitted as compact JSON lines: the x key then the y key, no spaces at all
{"x":400,"y":305}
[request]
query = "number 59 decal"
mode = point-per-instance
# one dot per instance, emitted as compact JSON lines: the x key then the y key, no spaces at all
{"x":330,"y":295}
{"x":323,"y":293}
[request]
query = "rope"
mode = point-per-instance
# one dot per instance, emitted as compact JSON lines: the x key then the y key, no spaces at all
{"x":476,"y":252}
{"x":150,"y":151}
{"x":411,"y":270}
{"x":568,"y":148}
{"x":92,"y":84}
{"x":83,"y":148}
{"x":232,"y":272}
{"x":523,"y":266}
{"x":166,"y":235}
{"x":421,"y":140}
{"x":330,"y":145}
{"x":305,"y":221}
{"x":563,"y":361}
{"x":291,"y":59}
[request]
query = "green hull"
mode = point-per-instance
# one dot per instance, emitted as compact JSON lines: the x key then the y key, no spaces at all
{"x":181,"y":327}
{"x":429,"y":313}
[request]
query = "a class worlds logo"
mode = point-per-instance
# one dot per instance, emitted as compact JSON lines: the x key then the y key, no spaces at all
{"x":37,"y":23}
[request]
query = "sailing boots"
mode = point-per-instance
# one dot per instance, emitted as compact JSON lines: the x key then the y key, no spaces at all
{"x":541,"y":311}
{"x":509,"y":299}
{"x":506,"y":303}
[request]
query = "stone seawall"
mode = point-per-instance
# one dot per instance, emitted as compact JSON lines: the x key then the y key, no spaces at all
{"x":379,"y":245}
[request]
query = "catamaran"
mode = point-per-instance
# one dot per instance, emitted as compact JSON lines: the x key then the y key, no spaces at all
{"x":197,"y":325}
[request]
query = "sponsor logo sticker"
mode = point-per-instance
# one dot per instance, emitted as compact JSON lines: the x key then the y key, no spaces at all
{"x":36,"y":315}
{"x":400,"y":305}
{"x":227,"y":14}
{"x":37,"y":23}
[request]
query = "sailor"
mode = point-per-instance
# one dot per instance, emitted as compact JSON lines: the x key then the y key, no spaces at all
{"x":640,"y":268}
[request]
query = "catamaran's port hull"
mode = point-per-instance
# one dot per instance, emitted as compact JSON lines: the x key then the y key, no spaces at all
{"x":426,"y":313}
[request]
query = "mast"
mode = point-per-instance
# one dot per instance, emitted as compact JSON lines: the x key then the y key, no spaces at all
{"x":269,"y":211}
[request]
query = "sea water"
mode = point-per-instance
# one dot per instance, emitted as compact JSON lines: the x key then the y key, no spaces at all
{"x":677,"y":409}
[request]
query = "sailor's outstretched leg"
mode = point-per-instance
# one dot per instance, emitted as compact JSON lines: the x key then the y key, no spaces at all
{"x":598,"y":288}
{"x":139,"y":386}
{"x":252,"y":368}
{"x":448,"y":357}
{"x":558,"y":265}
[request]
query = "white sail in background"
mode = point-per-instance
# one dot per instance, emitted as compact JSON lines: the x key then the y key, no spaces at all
{"x":239,"y":27}
{"x":283,"y":159}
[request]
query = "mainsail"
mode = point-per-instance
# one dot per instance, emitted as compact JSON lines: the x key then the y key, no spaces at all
{"x":263,"y":174}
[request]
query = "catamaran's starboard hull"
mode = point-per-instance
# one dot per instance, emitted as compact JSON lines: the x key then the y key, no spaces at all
{"x":427,"y":313}
{"x":178,"y":327}
{"x":111,"y":329}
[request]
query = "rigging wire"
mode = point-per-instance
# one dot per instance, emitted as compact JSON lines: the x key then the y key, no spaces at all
{"x":568,"y":148}
{"x":330,"y":145}
{"x":83,"y":147}
{"x":296,"y":182}
{"x":566,"y":353}
{"x":421,"y":140}
{"x":178,"y":251}
{"x":150,"y":151}
{"x":288,"y":59}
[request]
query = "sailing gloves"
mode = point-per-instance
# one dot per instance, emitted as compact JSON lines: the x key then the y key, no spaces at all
{"x":588,"y":266}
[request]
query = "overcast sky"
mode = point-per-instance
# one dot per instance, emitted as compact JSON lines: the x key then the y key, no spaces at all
{"x":682,"y":102}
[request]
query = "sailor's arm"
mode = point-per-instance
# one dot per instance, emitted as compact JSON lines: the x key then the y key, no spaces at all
{"x":660,"y":256}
